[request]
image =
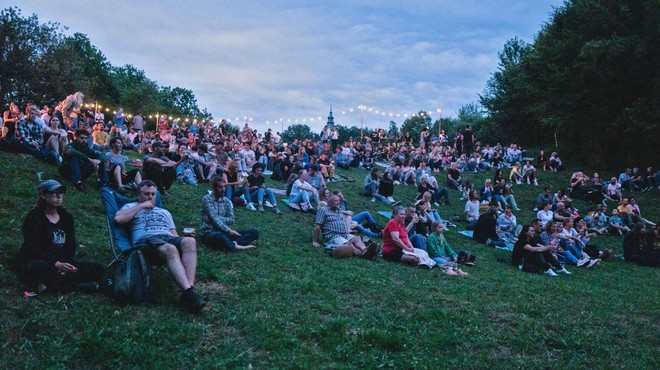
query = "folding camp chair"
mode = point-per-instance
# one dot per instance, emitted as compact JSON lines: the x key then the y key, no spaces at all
{"x":119,"y":235}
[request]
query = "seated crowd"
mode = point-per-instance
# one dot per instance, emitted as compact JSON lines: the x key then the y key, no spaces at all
{"x":235,"y":164}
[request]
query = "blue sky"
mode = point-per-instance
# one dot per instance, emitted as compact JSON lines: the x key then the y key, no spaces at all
{"x":291,"y":60}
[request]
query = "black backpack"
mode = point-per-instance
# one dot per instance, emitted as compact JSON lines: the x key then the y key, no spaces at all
{"x":132,"y":280}
{"x":466,"y":258}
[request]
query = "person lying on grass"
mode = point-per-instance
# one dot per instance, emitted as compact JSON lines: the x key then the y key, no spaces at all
{"x":439,"y":250}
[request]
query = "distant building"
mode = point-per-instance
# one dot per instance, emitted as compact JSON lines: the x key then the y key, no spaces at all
{"x":331,"y":119}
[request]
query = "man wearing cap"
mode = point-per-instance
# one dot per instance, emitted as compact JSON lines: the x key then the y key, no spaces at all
{"x":153,"y":231}
{"x":46,"y":258}
{"x":80,"y":161}
{"x":160,"y":169}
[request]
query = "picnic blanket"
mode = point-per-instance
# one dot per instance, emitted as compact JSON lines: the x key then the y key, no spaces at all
{"x":422,"y":257}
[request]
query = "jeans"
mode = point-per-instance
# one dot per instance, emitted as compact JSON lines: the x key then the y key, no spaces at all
{"x":222,"y":241}
{"x":302,"y":197}
{"x":417,"y":241}
{"x":440,"y":260}
{"x":77,"y":170}
{"x":259,"y":195}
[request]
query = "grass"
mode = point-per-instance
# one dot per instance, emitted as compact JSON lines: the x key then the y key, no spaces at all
{"x":288,"y":305}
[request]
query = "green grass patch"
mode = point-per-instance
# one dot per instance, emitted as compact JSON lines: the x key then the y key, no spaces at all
{"x":288,"y":305}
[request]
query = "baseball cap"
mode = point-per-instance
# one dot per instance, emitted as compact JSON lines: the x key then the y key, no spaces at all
{"x":50,"y":186}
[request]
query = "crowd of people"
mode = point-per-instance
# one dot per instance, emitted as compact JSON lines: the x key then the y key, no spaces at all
{"x":234,"y":164}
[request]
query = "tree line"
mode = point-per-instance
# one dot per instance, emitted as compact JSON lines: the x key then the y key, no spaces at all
{"x":42,"y":65}
{"x":589,"y":83}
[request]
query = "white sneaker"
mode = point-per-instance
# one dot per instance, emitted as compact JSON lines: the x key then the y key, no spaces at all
{"x":536,"y":182}
{"x":527,"y":181}
{"x":373,"y":199}
{"x":250,"y":207}
{"x":436,"y":204}
{"x":396,"y":182}
{"x":564,"y":271}
{"x":518,"y":182}
{"x":267,"y":204}
{"x":390,"y":199}
{"x":550,"y":272}
{"x":582,"y":262}
{"x":593,"y":262}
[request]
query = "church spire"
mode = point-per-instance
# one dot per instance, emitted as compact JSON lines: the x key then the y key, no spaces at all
{"x":331,"y":119}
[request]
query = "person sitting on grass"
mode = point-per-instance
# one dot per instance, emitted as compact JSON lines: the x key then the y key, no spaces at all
{"x":153,"y":231}
{"x":206,"y":164}
{"x":454,"y":178}
{"x":159,"y":168}
{"x":371,"y":184}
{"x":485,"y":230}
{"x":530,"y":256}
{"x":301,"y":191}
{"x":440,"y":251}
{"x":217,"y":219}
{"x":516,"y":173}
{"x":395,"y":239}
{"x":80,"y":161}
{"x":472,"y":210}
{"x":507,"y":226}
{"x":503,"y":195}
{"x":46,"y":259}
{"x":430,"y":184}
{"x":331,"y":229}
{"x":255,"y":189}
{"x":634,"y":244}
{"x":529,"y":173}
{"x":573,"y":246}
{"x":613,"y":191}
{"x":354,"y":221}
{"x":125,"y":180}
{"x":615,"y":224}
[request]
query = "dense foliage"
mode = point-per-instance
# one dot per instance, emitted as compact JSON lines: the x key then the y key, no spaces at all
{"x":41,"y":64}
{"x":590,"y":78}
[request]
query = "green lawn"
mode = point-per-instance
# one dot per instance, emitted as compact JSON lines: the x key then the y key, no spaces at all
{"x":288,"y":305}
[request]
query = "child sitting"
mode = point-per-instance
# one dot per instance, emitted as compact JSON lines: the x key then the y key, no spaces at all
{"x":440,"y":251}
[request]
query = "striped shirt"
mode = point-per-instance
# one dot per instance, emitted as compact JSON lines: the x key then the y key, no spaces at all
{"x":332,"y":223}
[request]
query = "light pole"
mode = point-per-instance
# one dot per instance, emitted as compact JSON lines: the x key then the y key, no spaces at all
{"x":439,"y":122}
{"x":361,"y":108}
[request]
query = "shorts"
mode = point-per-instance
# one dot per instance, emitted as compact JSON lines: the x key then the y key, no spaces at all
{"x":335,"y":242}
{"x":394,"y":256}
{"x":149,"y":246}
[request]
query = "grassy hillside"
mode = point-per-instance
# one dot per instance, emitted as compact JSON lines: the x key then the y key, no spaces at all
{"x":288,"y":305}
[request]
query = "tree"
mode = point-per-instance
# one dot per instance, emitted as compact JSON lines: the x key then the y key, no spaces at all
{"x":136,"y":91}
{"x":298,"y":131}
{"x":23,"y":42}
{"x":76,"y":65}
{"x":178,"y":101}
{"x":415,"y":124}
{"x":393,"y":130}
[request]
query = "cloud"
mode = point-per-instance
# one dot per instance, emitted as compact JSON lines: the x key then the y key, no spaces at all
{"x":289,"y":59}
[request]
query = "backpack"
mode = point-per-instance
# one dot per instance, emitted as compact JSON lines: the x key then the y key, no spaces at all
{"x":466,"y":258}
{"x":132,"y":280}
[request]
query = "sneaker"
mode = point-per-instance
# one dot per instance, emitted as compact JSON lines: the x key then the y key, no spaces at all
{"x":436,"y":204}
{"x":396,"y":182}
{"x":536,"y":182}
{"x":311,"y":210}
{"x":371,"y":251}
{"x":261,"y":208}
{"x":390,"y":199}
{"x":593,"y":262}
{"x":396,"y":203}
{"x":268,"y":204}
{"x":373,"y":200}
{"x":250,"y":207}
{"x":58,"y":158}
{"x":527,"y":181}
{"x":131,"y":186}
{"x":582,"y":262}
{"x":277,"y":211}
{"x":550,"y":272}
{"x":564,"y":271}
{"x":192,"y":301}
{"x":81,"y":187}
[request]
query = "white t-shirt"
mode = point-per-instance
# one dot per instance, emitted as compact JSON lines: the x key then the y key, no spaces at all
{"x":472,"y":210}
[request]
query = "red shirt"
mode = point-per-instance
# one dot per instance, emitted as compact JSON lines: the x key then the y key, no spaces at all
{"x":388,"y":244}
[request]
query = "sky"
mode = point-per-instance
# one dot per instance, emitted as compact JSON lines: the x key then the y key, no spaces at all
{"x":277,"y":63}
